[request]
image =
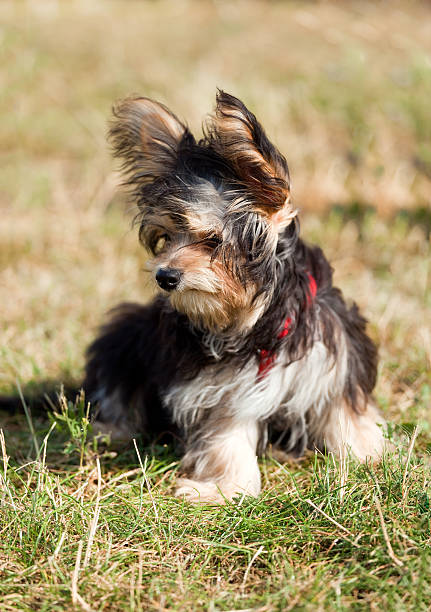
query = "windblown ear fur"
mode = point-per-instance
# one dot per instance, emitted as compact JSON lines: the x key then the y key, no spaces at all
{"x":147,"y":137}
{"x":241,"y":140}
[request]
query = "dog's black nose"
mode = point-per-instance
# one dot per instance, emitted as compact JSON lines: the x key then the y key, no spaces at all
{"x":168,"y":278}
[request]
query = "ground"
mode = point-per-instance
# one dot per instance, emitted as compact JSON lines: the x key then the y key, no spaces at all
{"x":344,"y":90}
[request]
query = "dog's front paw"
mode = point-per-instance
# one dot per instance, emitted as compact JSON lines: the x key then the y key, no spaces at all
{"x":199,"y":492}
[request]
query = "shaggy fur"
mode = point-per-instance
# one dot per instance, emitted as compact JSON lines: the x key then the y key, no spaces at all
{"x":216,"y":216}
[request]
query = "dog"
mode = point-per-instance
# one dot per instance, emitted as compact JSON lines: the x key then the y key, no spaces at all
{"x":248,"y":342}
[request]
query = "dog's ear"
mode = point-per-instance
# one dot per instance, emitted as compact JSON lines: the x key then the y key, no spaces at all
{"x":241,"y":140}
{"x":147,"y":137}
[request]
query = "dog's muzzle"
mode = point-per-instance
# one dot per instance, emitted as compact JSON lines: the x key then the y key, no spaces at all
{"x":168,"y":278}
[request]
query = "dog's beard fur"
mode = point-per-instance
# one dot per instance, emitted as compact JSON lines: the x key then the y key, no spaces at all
{"x":208,"y":294}
{"x":218,"y":314}
{"x":217,"y":214}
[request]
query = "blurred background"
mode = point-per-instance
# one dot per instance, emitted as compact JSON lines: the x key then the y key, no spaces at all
{"x":344,"y":90}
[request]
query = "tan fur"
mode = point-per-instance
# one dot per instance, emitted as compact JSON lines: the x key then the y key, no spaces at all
{"x":153,"y":132}
{"x":346,"y":431}
{"x":152,"y":113}
{"x":284,"y":217}
{"x":205,"y":223}
{"x":238,"y":145}
{"x":230,"y":127}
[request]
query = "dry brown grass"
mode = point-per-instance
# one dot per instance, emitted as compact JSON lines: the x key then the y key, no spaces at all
{"x":341,"y":87}
{"x":344,"y":89}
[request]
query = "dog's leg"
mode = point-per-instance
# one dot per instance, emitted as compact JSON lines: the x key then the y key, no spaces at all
{"x":360,"y":433}
{"x":221,"y":463}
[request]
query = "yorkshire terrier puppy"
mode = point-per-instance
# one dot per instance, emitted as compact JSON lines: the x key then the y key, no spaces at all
{"x":248,"y":342}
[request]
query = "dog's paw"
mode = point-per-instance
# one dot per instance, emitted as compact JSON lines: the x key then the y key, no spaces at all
{"x":199,"y":492}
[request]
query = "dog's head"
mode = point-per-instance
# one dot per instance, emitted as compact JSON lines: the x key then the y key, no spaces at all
{"x":215,"y":214}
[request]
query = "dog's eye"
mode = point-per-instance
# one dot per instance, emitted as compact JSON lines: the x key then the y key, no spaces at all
{"x":213,"y":241}
{"x":159,"y":244}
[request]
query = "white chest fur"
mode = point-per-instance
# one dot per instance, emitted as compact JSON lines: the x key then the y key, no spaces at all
{"x":310,"y":382}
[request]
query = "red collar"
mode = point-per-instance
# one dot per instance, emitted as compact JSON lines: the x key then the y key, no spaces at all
{"x":267,"y":358}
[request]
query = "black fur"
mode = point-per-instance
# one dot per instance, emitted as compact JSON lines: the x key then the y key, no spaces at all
{"x":145,"y":350}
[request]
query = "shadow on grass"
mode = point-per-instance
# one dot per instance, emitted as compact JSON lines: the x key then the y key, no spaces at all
{"x":38,"y":395}
{"x":51,"y":410}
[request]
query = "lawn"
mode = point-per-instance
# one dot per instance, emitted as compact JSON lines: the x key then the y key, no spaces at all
{"x":344,"y":90}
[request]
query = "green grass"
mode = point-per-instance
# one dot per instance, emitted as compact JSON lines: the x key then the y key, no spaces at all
{"x":344,"y":90}
{"x":85,"y":524}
